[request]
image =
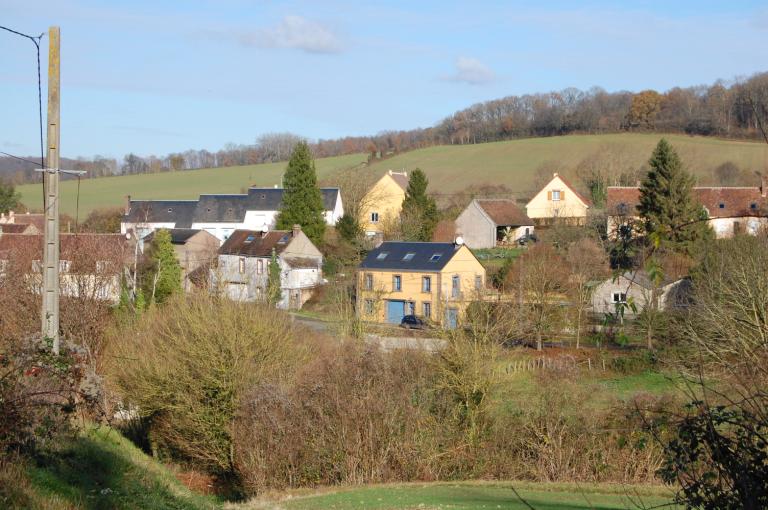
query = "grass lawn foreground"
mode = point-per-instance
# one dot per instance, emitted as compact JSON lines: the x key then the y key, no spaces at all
{"x":482,"y":495}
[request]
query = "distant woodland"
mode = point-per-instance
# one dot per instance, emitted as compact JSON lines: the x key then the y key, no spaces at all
{"x":729,"y":110}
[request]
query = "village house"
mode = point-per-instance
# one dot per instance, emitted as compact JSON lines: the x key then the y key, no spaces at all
{"x":487,"y":223}
{"x":636,"y":287}
{"x":19,"y":228}
{"x":383,"y":202}
{"x":435,"y":281}
{"x":37,"y":220}
{"x":558,"y":201}
{"x":219,"y":215}
{"x":91,"y":266}
{"x":195,"y":249}
{"x":243,"y":266}
{"x":730,"y":210}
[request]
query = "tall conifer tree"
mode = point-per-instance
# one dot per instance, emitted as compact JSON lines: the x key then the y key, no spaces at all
{"x":163,"y":278}
{"x":669,"y":211}
{"x":419,"y":209}
{"x":302,"y":199}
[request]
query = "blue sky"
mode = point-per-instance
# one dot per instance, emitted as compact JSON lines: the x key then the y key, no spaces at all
{"x":159,"y":76}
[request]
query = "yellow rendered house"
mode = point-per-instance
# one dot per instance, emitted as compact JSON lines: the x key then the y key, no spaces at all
{"x":434,"y":281}
{"x":383,"y":202}
{"x":558,"y":200}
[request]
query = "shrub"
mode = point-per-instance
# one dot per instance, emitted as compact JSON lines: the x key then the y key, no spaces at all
{"x":355,"y":415}
{"x":187,"y":366}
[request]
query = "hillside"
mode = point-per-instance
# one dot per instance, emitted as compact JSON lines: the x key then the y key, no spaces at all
{"x":110,"y":191}
{"x":450,"y":168}
{"x":515,"y":163}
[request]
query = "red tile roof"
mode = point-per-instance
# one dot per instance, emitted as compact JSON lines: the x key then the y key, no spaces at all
{"x":570,"y":186}
{"x":504,"y":212}
{"x":735,"y":201}
{"x":82,"y":250}
{"x":253,"y":243}
{"x":400,"y":179}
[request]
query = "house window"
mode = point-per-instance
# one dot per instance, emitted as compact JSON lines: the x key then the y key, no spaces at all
{"x":382,"y":255}
{"x":478,"y":282}
{"x":374,"y":217}
{"x":555,"y":195}
{"x":368,"y":281}
{"x":241,"y":265}
{"x":369,"y":306}
{"x":619,"y":297}
{"x":64,"y":266}
{"x":426,"y":283}
{"x":753,"y":205}
{"x":259,"y":266}
{"x":397,"y":283}
{"x":427,"y":309}
{"x":435,"y":257}
{"x":721,"y":205}
{"x":408,"y":256}
{"x":455,"y":286}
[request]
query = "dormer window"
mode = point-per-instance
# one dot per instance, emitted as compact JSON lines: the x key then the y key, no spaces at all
{"x":382,"y":255}
{"x":250,"y":238}
{"x":409,"y":256}
{"x":170,"y":209}
{"x":435,"y":257}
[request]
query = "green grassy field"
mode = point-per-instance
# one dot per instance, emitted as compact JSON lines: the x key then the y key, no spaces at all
{"x":484,"y":495}
{"x":514,"y":163}
{"x":109,"y":191}
{"x":100,"y":469}
{"x":450,"y":168}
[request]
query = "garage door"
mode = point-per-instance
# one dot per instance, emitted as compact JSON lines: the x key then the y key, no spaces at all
{"x":395,"y":311}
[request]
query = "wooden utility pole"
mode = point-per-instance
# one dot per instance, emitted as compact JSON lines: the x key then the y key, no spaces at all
{"x":50,"y":270}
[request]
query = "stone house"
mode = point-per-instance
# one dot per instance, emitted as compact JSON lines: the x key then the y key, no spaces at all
{"x":636,"y":287}
{"x":195,"y":249}
{"x":487,"y":223}
{"x":383,"y":202}
{"x":558,"y":200}
{"x":219,"y":215}
{"x":243,"y":266}
{"x":436,"y":281}
{"x":730,"y":210}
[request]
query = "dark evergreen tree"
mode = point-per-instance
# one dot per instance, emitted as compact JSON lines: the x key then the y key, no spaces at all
{"x":302,"y":199}
{"x":274,"y":289}
{"x":9,"y":198}
{"x":349,"y":228}
{"x":163,"y":276}
{"x":420,"y":215}
{"x":670,"y":214}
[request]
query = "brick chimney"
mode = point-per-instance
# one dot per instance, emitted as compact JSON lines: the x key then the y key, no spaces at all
{"x":296,"y":229}
{"x":127,"y":204}
{"x":11,"y":217}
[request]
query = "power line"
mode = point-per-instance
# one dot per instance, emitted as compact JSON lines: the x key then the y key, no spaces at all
{"x":19,"y":158}
{"x":36,"y":42}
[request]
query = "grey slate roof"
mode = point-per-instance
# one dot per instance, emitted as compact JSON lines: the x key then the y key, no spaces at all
{"x":215,"y":208}
{"x":421,"y":260}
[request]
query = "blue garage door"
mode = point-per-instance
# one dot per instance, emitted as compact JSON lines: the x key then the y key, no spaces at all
{"x":395,"y":311}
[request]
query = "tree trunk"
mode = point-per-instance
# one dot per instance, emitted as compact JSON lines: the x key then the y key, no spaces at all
{"x":539,"y":343}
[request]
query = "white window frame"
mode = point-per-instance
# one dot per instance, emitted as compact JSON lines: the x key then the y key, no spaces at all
{"x":241,"y":265}
{"x":259,"y":266}
{"x":426,"y":284}
{"x":555,"y":195}
{"x":368,"y":281}
{"x":619,"y":297}
{"x":426,"y":309}
{"x":397,"y":283}
{"x":374,"y":217}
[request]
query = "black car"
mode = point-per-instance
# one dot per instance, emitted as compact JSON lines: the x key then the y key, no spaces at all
{"x":413,"y":322}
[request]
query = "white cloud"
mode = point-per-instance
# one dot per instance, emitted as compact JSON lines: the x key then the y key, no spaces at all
{"x":472,"y":71}
{"x":295,"y":32}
